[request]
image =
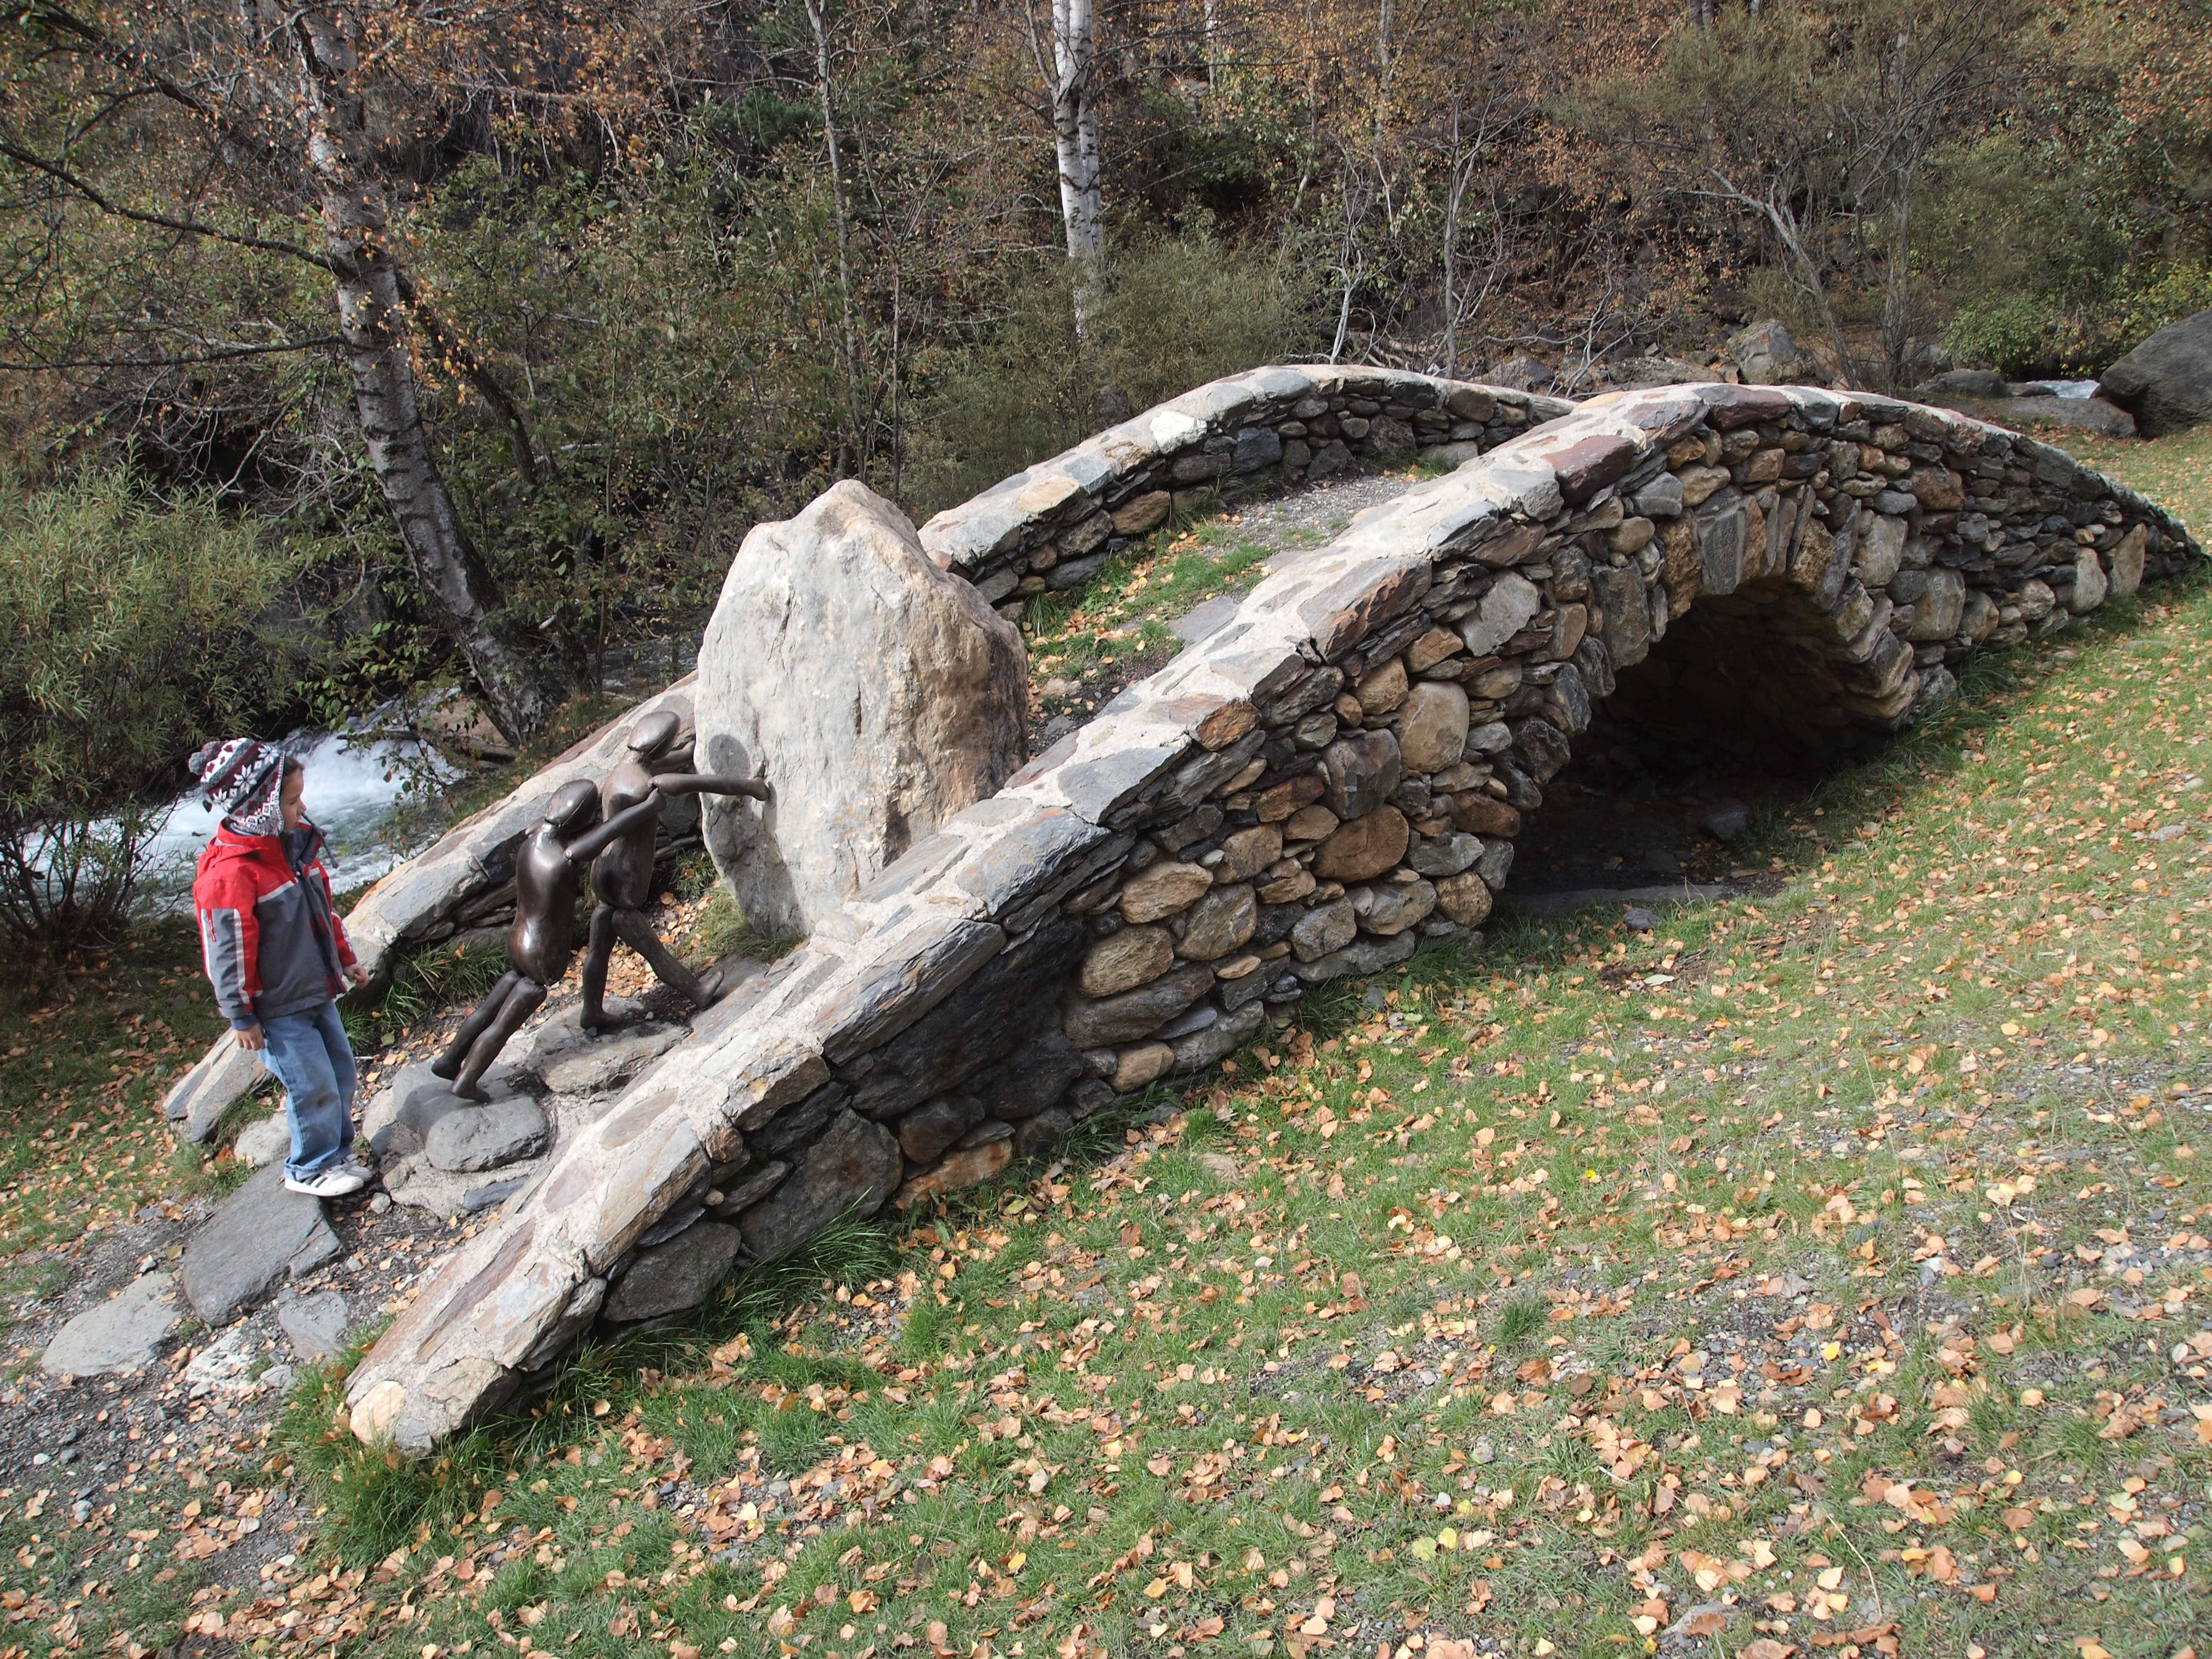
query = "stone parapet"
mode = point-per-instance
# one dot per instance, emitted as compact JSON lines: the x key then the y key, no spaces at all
{"x":1053,"y":525}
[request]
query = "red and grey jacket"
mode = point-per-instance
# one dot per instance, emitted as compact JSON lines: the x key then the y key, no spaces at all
{"x":269,"y":933}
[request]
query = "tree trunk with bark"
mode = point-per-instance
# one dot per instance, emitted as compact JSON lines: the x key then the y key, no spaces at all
{"x":519,"y":691}
{"x":1075,"y":138}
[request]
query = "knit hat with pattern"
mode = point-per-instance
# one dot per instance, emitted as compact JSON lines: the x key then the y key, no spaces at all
{"x":242,"y":778}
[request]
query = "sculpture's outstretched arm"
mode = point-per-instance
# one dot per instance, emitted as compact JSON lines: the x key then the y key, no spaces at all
{"x":587,"y":846}
{"x":708,"y":783}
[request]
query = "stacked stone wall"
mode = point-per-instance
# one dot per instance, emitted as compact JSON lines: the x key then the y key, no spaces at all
{"x":1051,"y":527}
{"x":1335,"y":775}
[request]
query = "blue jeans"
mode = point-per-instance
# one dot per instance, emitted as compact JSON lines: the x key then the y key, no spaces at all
{"x":309,"y":1054}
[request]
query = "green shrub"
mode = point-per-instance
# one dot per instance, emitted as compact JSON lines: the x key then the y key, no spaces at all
{"x":2163,"y":298}
{"x":1178,"y":312}
{"x":125,"y":639}
{"x":2017,"y":337}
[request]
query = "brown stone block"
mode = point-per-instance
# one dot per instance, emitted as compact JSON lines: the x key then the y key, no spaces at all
{"x":1147,"y":511}
{"x":1365,"y":846}
{"x":1482,"y":815}
{"x":1164,"y":890}
{"x":1383,"y":690}
{"x":1248,"y":852}
{"x":1123,"y":960}
{"x":1731,"y":407}
{"x":1275,"y":805}
{"x":1465,"y":899}
{"x":1431,"y":648}
{"x":1589,"y":465}
{"x":1937,"y":489}
{"x":971,"y":1167}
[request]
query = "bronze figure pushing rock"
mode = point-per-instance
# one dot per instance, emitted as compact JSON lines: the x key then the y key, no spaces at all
{"x":622,"y":874}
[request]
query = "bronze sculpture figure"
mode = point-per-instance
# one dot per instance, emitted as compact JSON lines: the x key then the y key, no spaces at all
{"x":622,"y":874}
{"x":542,"y":942}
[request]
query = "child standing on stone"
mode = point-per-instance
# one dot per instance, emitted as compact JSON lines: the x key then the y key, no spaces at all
{"x":277,"y":953}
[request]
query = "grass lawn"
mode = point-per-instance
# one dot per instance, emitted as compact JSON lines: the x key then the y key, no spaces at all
{"x":1826,"y":1272}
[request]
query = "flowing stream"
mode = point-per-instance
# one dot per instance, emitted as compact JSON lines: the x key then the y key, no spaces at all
{"x":353,"y":788}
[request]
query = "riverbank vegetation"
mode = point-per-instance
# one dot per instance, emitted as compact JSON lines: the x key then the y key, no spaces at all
{"x":606,"y":287}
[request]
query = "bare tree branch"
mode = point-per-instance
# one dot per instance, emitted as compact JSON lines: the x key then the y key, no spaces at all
{"x":223,"y":355}
{"x":72,"y":180}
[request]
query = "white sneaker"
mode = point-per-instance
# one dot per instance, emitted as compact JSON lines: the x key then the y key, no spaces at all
{"x":334,"y":1182}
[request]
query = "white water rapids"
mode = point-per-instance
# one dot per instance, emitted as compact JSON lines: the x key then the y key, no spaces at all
{"x":353,"y":787}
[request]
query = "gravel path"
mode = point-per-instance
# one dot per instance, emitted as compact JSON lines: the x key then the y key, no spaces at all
{"x":1309,"y":516}
{"x":1304,"y":518}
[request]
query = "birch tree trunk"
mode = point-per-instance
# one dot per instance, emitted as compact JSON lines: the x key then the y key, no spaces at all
{"x":518,"y":691}
{"x":1075,"y":138}
{"x":860,"y":447}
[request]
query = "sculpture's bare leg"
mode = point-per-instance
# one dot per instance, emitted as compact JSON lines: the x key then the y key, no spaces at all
{"x":597,"y":955}
{"x":449,"y":1064}
{"x":637,"y":932}
{"x":525,"y":1000}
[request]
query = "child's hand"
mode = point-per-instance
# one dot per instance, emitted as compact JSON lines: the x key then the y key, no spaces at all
{"x":356,"y":975}
{"x":253,"y":1039}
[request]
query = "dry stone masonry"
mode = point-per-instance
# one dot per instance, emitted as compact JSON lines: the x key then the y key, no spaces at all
{"x":1051,"y":527}
{"x":1335,"y":775}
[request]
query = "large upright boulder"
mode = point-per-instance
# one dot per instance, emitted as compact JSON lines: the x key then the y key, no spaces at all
{"x":2166,"y":382}
{"x":1765,"y":354}
{"x":875,"y":694}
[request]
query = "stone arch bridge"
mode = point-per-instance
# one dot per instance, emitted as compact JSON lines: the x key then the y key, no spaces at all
{"x":1335,"y":775}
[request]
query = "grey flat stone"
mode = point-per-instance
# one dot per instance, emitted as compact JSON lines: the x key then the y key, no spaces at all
{"x":123,"y":1333}
{"x":671,"y":1277}
{"x":1207,"y":618}
{"x":234,"y":1365}
{"x":265,"y":1142}
{"x":557,"y":1037}
{"x":314,"y":1325}
{"x":491,"y":1193}
{"x":1727,"y":823}
{"x":612,"y":1061}
{"x":415,"y":1181}
{"x":851,"y":1168}
{"x":399,"y":1120}
{"x":258,"y":1236}
{"x":487,"y":1136}
{"x":225,"y":1074}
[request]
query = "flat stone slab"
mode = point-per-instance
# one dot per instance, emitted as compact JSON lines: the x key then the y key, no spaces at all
{"x":265,"y":1142}
{"x":1207,"y":618}
{"x":678,"y":1274}
{"x":611,"y":1061}
{"x":314,"y":1325}
{"x":231,"y":1365}
{"x":399,"y":1120}
{"x":261,"y":1233}
{"x":420,"y":1185}
{"x":491,"y":1193}
{"x":478,"y":1137}
{"x":123,"y":1333}
{"x":557,"y":1036}
{"x":203,"y":1095}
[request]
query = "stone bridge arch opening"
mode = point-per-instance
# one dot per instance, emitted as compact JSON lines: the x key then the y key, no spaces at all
{"x":1713,"y":727}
